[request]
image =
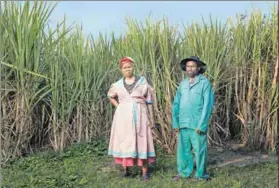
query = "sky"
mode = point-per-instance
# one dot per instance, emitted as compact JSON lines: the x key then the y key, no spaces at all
{"x":108,"y":16}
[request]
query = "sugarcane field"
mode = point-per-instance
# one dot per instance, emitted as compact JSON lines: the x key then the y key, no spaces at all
{"x":155,"y":105}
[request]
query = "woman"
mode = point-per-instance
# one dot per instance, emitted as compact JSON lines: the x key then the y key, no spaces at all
{"x":131,"y":140}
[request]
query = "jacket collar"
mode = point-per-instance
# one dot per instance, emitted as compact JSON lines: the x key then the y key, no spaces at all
{"x":197,"y":80}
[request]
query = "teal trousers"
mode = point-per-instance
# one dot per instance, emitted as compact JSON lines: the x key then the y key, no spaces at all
{"x":189,"y":139}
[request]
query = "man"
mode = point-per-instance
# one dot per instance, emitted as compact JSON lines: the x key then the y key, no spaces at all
{"x":191,"y":113}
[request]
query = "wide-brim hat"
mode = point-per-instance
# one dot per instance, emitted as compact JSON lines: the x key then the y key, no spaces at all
{"x":201,"y":64}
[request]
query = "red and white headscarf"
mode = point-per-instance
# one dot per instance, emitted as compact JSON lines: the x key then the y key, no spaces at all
{"x":126,"y":59}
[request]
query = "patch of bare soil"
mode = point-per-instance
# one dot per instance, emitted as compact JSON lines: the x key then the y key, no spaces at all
{"x":236,"y":155}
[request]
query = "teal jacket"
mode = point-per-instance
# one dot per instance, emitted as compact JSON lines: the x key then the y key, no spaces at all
{"x":193,"y":104}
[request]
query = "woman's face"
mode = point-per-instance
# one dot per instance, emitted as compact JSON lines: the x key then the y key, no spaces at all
{"x":127,"y":69}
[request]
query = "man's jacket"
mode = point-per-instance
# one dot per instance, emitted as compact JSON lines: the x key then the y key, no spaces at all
{"x":193,"y":104}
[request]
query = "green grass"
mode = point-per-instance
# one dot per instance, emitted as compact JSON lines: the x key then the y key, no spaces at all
{"x":86,"y":165}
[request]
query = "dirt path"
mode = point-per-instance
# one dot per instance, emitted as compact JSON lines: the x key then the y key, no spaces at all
{"x":219,"y":157}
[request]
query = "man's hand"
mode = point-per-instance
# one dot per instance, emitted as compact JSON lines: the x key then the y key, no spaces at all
{"x":199,"y":131}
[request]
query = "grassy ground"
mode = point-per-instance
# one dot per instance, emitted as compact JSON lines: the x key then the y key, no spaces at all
{"x":85,"y":165}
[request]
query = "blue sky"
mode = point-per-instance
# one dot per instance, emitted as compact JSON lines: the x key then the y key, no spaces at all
{"x":108,"y":16}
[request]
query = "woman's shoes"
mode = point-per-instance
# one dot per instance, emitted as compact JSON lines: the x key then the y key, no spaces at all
{"x":124,"y":174}
{"x":145,"y":178}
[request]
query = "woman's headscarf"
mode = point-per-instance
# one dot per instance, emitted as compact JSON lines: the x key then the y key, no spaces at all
{"x":126,"y":59}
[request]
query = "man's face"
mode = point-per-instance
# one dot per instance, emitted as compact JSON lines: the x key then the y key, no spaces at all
{"x":192,"y":69}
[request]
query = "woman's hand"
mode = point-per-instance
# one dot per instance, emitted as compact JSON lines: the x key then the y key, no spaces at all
{"x":113,"y":101}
